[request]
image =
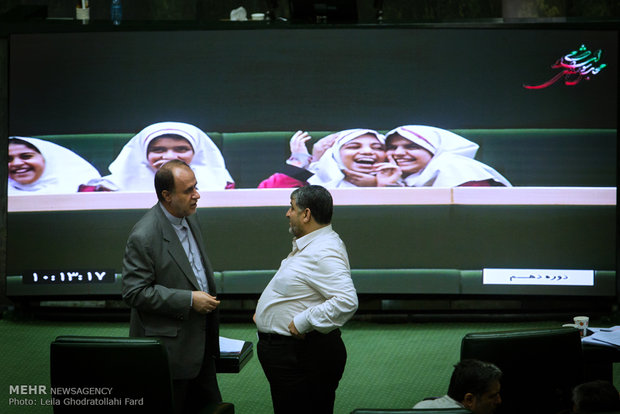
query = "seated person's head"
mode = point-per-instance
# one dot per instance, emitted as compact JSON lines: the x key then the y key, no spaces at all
{"x":596,"y":397}
{"x":476,"y":385}
{"x":168,"y":147}
{"x":26,"y":163}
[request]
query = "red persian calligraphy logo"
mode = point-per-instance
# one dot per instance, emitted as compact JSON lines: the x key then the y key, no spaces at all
{"x":574,"y":67}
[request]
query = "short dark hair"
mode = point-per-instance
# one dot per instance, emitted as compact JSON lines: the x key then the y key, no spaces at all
{"x":24,"y":142}
{"x":164,"y":177}
{"x":472,"y":376}
{"x":596,"y":397}
{"x":317,"y":199}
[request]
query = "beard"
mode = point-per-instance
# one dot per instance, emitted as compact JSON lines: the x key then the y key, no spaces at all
{"x":294,"y":230}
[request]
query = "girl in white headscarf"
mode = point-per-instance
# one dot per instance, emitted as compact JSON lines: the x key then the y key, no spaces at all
{"x":134,"y":168}
{"x":37,"y":166}
{"x":424,"y":156}
{"x":351,"y":160}
{"x":342,"y":159}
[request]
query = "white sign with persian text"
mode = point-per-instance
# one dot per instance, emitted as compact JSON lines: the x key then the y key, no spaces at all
{"x":550,"y":277}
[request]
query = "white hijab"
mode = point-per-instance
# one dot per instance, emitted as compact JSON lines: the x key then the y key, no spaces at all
{"x":328,"y":169}
{"x":131,"y":170}
{"x":453,"y":161}
{"x":64,"y":171}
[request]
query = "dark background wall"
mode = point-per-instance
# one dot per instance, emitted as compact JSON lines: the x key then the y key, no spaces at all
{"x":460,"y":237}
{"x":393,"y":10}
{"x":4,"y":99}
{"x":290,"y":79}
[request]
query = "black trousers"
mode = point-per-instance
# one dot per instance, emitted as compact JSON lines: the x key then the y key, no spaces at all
{"x":191,"y":395}
{"x":303,"y":374}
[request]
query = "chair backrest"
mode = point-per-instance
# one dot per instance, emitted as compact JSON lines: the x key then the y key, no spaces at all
{"x":101,"y":374}
{"x":411,"y":411}
{"x":540,"y":367}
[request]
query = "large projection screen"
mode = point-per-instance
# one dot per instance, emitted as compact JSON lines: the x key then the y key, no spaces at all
{"x":541,"y":108}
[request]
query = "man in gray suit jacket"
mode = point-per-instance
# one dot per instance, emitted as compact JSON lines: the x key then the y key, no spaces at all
{"x":168,"y":282}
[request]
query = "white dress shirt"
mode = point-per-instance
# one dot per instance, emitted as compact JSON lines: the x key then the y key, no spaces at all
{"x":190,"y":246}
{"x":442,"y":402}
{"x":313,"y":287}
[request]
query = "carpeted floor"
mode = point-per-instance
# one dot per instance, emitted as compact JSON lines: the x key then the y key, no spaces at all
{"x":390,"y":365}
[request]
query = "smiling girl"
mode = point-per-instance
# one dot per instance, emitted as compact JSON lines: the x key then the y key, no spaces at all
{"x":351,"y":161}
{"x":424,"y":156}
{"x":37,"y":166}
{"x":135,"y":167}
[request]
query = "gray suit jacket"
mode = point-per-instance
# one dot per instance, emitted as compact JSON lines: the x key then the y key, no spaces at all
{"x":157,"y":285}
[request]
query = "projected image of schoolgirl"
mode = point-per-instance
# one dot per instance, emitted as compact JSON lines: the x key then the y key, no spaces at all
{"x":134,"y":168}
{"x":343,"y":159}
{"x":36,"y":166}
{"x":425,"y":156}
{"x":350,"y":161}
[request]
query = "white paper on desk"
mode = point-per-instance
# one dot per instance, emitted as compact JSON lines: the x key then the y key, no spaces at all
{"x":230,"y":346}
{"x":604,"y":336}
{"x":613,"y":328}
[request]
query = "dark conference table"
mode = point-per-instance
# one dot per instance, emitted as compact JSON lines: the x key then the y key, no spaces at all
{"x":233,"y":362}
{"x":598,"y":361}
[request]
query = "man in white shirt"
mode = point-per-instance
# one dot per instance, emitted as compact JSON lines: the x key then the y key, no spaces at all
{"x":474,"y":385}
{"x":300,"y":311}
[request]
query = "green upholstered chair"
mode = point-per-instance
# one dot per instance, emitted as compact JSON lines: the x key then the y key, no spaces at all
{"x":406,"y":281}
{"x":411,"y":411}
{"x":245,"y":281}
{"x":102,"y":374}
{"x":540,"y":366}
